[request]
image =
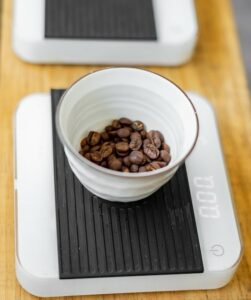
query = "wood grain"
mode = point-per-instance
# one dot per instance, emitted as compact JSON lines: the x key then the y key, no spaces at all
{"x":215,"y":71}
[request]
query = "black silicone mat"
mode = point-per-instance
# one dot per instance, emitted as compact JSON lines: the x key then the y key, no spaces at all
{"x":100,"y":19}
{"x":98,"y":238}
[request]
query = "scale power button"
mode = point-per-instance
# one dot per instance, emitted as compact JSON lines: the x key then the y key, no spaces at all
{"x":217,"y":250}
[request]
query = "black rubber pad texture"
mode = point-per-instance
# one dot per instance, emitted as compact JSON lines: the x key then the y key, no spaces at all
{"x":100,"y":19}
{"x":98,"y":238}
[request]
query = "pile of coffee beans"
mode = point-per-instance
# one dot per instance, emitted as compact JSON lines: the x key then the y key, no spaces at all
{"x":125,"y":146}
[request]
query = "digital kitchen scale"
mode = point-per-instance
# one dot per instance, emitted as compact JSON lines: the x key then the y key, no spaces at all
{"x":159,"y":32}
{"x":184,"y":237}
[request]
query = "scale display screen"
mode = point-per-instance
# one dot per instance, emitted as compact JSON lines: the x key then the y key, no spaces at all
{"x":206,"y":197}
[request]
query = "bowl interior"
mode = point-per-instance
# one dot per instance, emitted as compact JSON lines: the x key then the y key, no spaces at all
{"x":95,"y":100}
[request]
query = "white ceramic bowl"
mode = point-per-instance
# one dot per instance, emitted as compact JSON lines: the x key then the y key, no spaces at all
{"x":93,"y":101}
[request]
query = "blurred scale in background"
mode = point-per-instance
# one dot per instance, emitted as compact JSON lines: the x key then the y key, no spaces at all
{"x":135,"y":32}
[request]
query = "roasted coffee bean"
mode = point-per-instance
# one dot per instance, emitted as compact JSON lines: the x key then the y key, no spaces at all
{"x":155,"y":133}
{"x":83,"y":142}
{"x":134,"y":168}
{"x":106,"y":150}
{"x":114,"y":164}
{"x":108,"y":128}
{"x":122,"y":147}
{"x":136,"y":141}
{"x":95,"y":148}
{"x":150,"y":135}
{"x":123,"y":132}
{"x":155,"y":165}
{"x":152,"y":166}
{"x":165,"y":155}
{"x":162,"y":164}
{"x":157,"y":142}
{"x":137,"y":125}
{"x":125,"y":140}
{"x":135,"y":144}
{"x":112,"y":156}
{"x":93,"y":138}
{"x":112,"y":133}
{"x":155,"y":137}
{"x":96,"y":157}
{"x":85,"y":149}
{"x":116,"y":124}
{"x":136,"y":157}
{"x":88,"y":156}
{"x":142,"y":169}
{"x":135,"y":136}
{"x":125,"y":169}
{"x":125,"y":121}
{"x":112,"y":144}
{"x":149,"y":168}
{"x":165,"y":147}
{"x":151,"y":151}
{"x":126,"y":161}
{"x":105,"y":136}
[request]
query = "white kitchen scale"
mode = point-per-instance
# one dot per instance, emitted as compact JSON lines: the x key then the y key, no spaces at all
{"x":37,"y":264}
{"x":148,"y":32}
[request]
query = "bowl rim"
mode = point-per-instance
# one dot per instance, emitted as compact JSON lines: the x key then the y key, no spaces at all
{"x":82,"y":159}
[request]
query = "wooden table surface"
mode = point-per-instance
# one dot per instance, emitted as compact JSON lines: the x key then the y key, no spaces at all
{"x":216,"y":71}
